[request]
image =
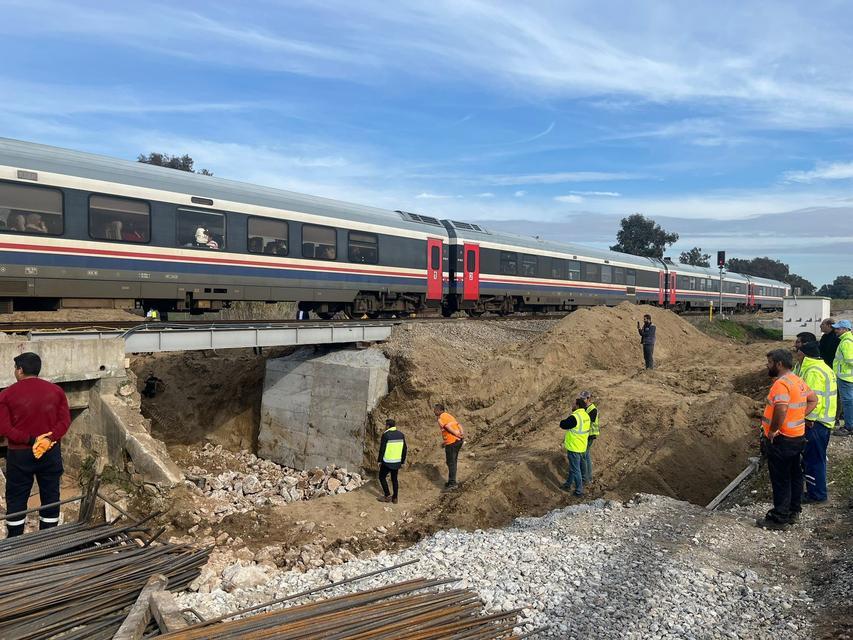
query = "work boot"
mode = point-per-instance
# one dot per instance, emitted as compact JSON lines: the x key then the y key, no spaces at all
{"x":772,"y":525}
{"x":841,"y":432}
{"x":794,"y":518}
{"x":384,"y":498}
{"x":394,"y":499}
{"x":809,"y":500}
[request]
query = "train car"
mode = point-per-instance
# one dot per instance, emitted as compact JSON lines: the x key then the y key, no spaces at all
{"x":78,"y":229}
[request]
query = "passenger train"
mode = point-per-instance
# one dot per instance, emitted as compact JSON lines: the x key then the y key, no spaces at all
{"x":81,"y":230}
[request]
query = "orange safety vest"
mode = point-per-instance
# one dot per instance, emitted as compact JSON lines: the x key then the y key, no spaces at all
{"x":445,"y":420}
{"x":791,"y":390}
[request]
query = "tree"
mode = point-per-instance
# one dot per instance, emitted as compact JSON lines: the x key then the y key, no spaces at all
{"x":695,"y":257}
{"x":769,"y":268}
{"x":841,"y":287}
{"x":641,"y":236}
{"x":182,"y":163}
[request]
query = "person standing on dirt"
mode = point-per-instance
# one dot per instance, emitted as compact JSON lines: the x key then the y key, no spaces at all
{"x":392,"y":456}
{"x":820,"y":422}
{"x":34,"y":417}
{"x":592,"y":412}
{"x":784,"y":438}
{"x":842,"y":365}
{"x":452,"y":438}
{"x":647,"y":339}
{"x":577,"y":427}
{"x":828,"y":341}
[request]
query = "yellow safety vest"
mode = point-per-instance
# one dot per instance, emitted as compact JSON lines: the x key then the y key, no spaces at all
{"x":577,"y":437}
{"x":820,"y":379}
{"x":843,"y":363}
{"x":594,"y":430}
{"x":393,"y":449}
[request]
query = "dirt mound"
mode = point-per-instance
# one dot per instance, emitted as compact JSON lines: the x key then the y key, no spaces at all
{"x":681,"y":430}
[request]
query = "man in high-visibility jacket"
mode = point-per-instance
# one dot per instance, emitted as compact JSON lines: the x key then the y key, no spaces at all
{"x":843,"y":368}
{"x":452,"y":438}
{"x":392,"y":456}
{"x":784,"y":438}
{"x":820,"y":422}
{"x":594,"y":431}
{"x":577,"y":426}
{"x":802,"y":338}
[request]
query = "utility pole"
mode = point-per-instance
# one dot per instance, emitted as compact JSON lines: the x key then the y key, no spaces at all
{"x":721,"y":263}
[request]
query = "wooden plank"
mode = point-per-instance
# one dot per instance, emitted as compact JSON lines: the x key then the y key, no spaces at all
{"x":166,"y":612}
{"x":139,"y":616}
{"x":743,"y":475}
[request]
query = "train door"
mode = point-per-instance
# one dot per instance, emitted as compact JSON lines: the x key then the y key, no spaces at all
{"x":750,"y":295}
{"x":434,"y":270}
{"x":471,"y":272}
{"x":661,"y":287}
{"x":673,"y":283}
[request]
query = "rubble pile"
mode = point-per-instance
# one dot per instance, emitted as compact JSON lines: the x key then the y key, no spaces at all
{"x":248,"y":482}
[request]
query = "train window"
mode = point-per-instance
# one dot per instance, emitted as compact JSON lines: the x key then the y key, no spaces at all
{"x":435,"y":258}
{"x":618,"y":275}
{"x":119,"y":219}
{"x":509,"y":263}
{"x":574,"y":270}
{"x":362,"y":247}
{"x":692,"y":283}
{"x":28,"y":209}
{"x":606,"y":273}
{"x":268,"y":236}
{"x":319,"y":242}
{"x":471,"y":261}
{"x":528,"y":265}
{"x":591,"y":272}
{"x":558,"y":269}
{"x":201,"y":229}
{"x":631,"y":277}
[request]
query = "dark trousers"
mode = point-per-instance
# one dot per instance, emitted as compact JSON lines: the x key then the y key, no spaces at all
{"x":21,"y":467}
{"x":814,"y":460}
{"x":451,"y":455}
{"x":784,"y":462}
{"x":383,"y":474}
{"x":649,"y":355}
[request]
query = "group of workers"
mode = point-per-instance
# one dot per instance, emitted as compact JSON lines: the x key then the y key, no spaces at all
{"x":802,"y":411}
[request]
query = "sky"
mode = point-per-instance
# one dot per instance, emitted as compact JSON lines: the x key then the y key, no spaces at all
{"x":730,"y":123}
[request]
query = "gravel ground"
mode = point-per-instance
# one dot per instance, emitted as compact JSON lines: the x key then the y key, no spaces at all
{"x":653,"y":568}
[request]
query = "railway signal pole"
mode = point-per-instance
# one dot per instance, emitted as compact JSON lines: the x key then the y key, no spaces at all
{"x":721,"y":263}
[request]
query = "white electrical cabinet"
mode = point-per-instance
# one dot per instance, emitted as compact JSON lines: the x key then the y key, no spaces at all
{"x":803,"y":313}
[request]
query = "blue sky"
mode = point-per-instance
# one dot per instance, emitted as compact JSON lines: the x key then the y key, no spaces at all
{"x":552,"y":118}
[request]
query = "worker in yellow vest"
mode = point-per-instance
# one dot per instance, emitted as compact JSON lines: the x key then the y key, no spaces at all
{"x":594,"y":431}
{"x":577,"y":426}
{"x":820,"y":422}
{"x":843,"y":368}
{"x":392,"y":456}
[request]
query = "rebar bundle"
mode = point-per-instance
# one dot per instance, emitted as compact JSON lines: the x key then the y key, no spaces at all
{"x":411,"y":610}
{"x":75,"y":581}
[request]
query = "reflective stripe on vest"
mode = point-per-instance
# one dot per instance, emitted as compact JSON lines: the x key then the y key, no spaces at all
{"x":577,"y":437}
{"x":820,"y":379}
{"x":593,"y":430}
{"x":843,"y":363}
{"x":795,"y":420}
{"x":393,"y":450}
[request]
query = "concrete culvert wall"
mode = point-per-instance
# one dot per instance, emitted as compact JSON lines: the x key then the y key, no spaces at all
{"x":683,"y":429}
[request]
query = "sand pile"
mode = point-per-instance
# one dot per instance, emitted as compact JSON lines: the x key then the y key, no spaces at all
{"x":682,"y":430}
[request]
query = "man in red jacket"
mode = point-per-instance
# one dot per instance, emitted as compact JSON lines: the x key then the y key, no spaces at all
{"x":34,"y":416}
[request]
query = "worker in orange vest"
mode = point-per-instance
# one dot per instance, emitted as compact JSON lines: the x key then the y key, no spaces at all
{"x":452,"y":438}
{"x":784,"y":438}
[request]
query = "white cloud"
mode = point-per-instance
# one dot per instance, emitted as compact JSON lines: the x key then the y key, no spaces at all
{"x":520,"y":193}
{"x":598,"y":194}
{"x":569,"y":199}
{"x":433,"y":196}
{"x":834,"y":171}
{"x":487,"y":194}
{"x":559,"y":177}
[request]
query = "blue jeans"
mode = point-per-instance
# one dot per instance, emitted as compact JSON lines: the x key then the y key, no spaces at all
{"x":586,"y":467}
{"x":845,"y":395}
{"x":814,"y":460}
{"x":575,"y":475}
